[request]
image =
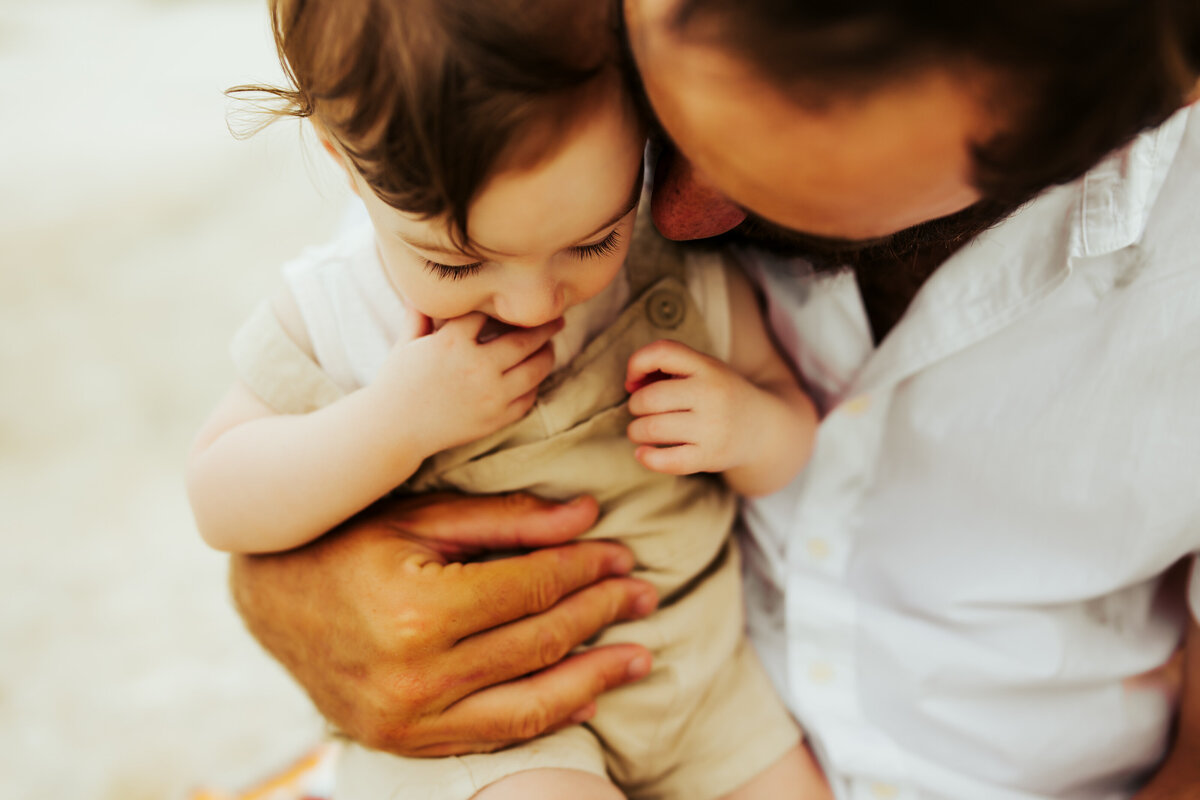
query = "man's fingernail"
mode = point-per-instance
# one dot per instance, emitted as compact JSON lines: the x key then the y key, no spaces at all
{"x":638,"y":668}
{"x":645,"y":604}
{"x":583,"y":714}
{"x":575,"y":502}
{"x":621,"y":563}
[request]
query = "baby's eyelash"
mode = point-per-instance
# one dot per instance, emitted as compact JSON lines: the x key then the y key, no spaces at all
{"x":453,"y":273}
{"x":456,"y":272}
{"x":605,"y":247}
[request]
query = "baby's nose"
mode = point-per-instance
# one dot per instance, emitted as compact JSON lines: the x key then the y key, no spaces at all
{"x":531,"y":307}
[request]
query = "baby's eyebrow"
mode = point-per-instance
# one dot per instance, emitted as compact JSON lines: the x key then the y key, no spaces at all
{"x":434,"y":247}
{"x":620,"y":215}
{"x":420,"y":244}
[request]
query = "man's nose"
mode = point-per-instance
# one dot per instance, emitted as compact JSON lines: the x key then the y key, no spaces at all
{"x":685,"y":205}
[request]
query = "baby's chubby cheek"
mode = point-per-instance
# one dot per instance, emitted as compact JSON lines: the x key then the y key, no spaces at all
{"x":687,"y":207}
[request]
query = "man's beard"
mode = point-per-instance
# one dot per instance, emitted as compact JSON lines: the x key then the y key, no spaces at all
{"x":899,"y":250}
{"x":889,"y":270}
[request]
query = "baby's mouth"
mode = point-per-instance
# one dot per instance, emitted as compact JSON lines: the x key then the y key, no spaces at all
{"x":494,"y":329}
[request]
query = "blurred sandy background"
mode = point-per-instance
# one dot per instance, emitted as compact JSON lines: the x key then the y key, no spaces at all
{"x":135,"y":234}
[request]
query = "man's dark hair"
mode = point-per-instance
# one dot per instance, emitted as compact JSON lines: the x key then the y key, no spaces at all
{"x":1078,"y":78}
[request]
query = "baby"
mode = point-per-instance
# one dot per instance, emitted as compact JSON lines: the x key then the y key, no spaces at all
{"x":500,"y":321}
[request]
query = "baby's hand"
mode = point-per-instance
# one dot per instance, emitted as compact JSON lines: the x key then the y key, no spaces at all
{"x":691,"y":410}
{"x":455,"y":389}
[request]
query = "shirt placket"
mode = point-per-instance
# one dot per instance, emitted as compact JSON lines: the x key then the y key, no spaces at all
{"x":952,"y":312}
{"x":821,"y":613}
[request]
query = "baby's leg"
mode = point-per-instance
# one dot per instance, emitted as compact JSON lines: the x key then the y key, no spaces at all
{"x":551,"y":784}
{"x":796,"y":776}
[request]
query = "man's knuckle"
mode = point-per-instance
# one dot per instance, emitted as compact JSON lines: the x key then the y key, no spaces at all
{"x":553,"y":644}
{"x":395,"y":736}
{"x":542,"y":594}
{"x":619,"y":601}
{"x":516,"y":502}
{"x":394,"y":714}
{"x":531,"y":721}
{"x":410,"y":632}
{"x":382,"y":722}
{"x":411,"y":694}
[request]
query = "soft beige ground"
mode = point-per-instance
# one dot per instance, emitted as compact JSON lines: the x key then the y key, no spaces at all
{"x":134,"y":234}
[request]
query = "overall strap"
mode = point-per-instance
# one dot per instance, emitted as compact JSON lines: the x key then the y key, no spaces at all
{"x":651,"y":257}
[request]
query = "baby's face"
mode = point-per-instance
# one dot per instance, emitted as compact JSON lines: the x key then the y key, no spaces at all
{"x":545,"y":238}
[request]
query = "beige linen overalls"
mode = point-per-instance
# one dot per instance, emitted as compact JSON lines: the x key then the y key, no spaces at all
{"x":706,"y":719}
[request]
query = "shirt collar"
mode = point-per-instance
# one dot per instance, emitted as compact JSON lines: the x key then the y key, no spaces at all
{"x":1006,"y":271}
{"x":1118,"y":194}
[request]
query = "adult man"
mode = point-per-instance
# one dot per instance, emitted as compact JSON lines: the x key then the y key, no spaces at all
{"x":959,"y":594}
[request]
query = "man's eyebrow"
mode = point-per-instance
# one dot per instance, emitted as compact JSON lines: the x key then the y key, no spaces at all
{"x":434,"y":247}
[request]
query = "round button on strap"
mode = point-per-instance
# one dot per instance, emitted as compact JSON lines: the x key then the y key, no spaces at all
{"x":665,"y":308}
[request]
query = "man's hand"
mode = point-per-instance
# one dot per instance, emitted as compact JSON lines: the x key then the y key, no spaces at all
{"x":1179,"y":776}
{"x":406,"y":649}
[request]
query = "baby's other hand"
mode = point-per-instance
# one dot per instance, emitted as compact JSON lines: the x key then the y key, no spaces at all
{"x":690,"y":410}
{"x":460,"y":389}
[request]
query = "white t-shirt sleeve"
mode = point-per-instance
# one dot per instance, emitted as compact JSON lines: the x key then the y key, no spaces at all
{"x":352,"y":314}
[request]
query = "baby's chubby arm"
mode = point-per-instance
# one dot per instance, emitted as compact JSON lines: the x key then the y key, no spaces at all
{"x":748,"y":419}
{"x":263,"y":482}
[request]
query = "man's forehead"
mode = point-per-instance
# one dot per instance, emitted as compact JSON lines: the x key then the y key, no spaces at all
{"x":860,"y":168}
{"x":666,"y":27}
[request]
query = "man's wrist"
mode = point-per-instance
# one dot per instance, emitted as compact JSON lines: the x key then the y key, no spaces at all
{"x":1177,"y":779}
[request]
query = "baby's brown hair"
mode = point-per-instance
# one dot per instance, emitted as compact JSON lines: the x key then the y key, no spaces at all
{"x":428,"y":98}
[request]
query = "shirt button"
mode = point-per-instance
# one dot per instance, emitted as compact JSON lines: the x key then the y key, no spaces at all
{"x":820,"y":673}
{"x":817,"y":548}
{"x":857,"y":406}
{"x":665,"y":309}
{"x":884,"y":791}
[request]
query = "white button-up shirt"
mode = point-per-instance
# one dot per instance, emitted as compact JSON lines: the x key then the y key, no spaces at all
{"x":953,"y":592}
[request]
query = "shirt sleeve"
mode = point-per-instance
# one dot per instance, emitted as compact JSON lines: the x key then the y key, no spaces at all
{"x":276,"y":370}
